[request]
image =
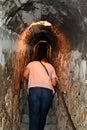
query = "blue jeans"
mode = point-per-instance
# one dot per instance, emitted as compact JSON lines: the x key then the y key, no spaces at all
{"x":39,"y":103}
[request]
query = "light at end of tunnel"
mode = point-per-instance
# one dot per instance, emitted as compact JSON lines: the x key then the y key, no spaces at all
{"x":45,"y":23}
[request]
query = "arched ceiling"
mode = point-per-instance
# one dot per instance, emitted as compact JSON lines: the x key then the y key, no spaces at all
{"x":57,"y":13}
{"x":19,"y":14}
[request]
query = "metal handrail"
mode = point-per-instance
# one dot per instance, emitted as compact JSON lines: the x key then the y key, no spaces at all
{"x":65,"y":105}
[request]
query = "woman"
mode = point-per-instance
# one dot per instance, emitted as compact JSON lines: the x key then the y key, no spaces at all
{"x":41,"y":82}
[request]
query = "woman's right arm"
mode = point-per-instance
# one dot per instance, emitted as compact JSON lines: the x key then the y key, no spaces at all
{"x":54,"y":81}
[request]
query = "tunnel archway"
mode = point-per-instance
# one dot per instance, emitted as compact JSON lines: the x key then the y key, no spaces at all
{"x":31,"y":42}
{"x":36,"y":39}
{"x":46,"y":32}
{"x":42,"y":48}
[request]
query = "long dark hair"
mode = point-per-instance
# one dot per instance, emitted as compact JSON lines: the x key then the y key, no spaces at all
{"x":43,"y":57}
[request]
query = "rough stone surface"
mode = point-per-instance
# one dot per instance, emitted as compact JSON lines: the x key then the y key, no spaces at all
{"x":68,"y":34}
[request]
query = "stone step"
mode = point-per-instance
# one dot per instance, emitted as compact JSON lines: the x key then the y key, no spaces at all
{"x":50,"y":119}
{"x":25,"y":118}
{"x":24,"y":126}
{"x":50,"y":127}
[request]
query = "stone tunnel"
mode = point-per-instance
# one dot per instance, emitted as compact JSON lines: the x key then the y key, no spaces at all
{"x":28,"y":28}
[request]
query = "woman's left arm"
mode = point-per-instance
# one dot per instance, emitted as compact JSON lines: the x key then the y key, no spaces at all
{"x":26,"y":72}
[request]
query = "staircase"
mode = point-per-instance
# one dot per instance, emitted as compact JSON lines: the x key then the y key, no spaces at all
{"x":50,"y":122}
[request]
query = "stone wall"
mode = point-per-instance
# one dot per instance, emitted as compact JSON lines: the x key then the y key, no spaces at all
{"x":73,"y":81}
{"x":7,"y":45}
